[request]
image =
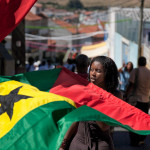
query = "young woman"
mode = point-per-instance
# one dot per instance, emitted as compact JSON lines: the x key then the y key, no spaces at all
{"x":124,"y":72}
{"x":95,"y":135}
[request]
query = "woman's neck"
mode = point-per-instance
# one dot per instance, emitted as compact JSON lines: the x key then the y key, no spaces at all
{"x":102,"y":86}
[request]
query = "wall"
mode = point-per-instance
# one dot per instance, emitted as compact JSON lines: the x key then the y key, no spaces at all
{"x":127,"y":27}
{"x":146,"y":33}
{"x":146,"y":53}
{"x":132,"y":52}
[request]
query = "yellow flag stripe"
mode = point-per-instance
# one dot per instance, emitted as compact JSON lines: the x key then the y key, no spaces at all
{"x":24,"y":106}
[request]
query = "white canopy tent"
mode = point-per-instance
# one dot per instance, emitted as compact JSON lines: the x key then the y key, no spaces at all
{"x":95,"y":50}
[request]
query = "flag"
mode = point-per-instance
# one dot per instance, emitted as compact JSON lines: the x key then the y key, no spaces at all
{"x":82,"y":93}
{"x":11,"y":14}
{"x":39,"y":119}
{"x":28,"y":117}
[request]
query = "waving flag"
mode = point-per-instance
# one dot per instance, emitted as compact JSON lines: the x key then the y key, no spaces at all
{"x":28,"y":117}
{"x":33,"y":119}
{"x":11,"y":13}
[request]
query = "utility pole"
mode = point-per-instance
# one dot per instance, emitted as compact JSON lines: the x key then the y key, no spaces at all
{"x":18,"y":47}
{"x":140,"y":29}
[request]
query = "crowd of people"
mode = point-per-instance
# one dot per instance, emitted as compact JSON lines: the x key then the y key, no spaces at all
{"x":34,"y":65}
{"x":122,"y":83}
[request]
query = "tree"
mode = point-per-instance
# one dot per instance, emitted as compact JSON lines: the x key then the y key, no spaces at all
{"x":75,"y":4}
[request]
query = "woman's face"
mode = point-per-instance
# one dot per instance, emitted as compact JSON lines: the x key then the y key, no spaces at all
{"x":129,"y":66}
{"x":97,"y":74}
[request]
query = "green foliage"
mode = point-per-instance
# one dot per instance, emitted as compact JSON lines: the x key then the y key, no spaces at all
{"x":75,"y":4}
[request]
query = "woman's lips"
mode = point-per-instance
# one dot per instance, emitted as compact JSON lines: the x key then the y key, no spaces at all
{"x":92,"y":79}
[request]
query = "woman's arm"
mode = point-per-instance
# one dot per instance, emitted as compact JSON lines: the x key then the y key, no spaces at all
{"x":68,"y":136}
{"x":120,"y":70}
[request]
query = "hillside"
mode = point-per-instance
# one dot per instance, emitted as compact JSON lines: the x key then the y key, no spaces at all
{"x":60,"y":2}
{"x":99,"y":3}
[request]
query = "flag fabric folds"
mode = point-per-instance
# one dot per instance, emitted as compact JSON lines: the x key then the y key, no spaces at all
{"x":11,"y":14}
{"x":82,"y":93}
{"x":31,"y":117}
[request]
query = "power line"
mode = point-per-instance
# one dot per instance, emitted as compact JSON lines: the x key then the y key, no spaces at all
{"x":32,"y":37}
{"x":46,"y":27}
{"x":37,"y":44}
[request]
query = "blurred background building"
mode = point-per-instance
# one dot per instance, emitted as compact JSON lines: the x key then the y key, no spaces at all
{"x":57,"y":30}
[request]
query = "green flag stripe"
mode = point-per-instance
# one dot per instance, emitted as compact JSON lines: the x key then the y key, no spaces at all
{"x":85,"y":113}
{"x":43,"y":80}
{"x":38,"y":129}
{"x":45,"y":127}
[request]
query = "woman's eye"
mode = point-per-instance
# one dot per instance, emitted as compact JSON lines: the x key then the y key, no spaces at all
{"x":91,"y":69}
{"x":96,"y":70}
{"x":99,"y":71}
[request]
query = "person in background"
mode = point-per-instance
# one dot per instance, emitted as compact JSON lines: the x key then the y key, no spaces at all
{"x":43,"y":66}
{"x":30,"y":65}
{"x":70,"y":65}
{"x":124,"y":74}
{"x":142,"y":91}
{"x":37,"y":62}
{"x":95,"y":135}
{"x":49,"y":65}
{"x":82,"y":64}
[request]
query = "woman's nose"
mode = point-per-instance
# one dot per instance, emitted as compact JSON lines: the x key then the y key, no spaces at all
{"x":93,"y":72}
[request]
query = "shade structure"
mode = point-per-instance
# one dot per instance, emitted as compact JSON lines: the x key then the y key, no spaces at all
{"x":95,"y":50}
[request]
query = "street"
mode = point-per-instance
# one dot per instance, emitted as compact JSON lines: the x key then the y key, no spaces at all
{"x":122,"y":141}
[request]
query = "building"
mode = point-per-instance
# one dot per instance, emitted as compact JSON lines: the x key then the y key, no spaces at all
{"x":123,"y":28}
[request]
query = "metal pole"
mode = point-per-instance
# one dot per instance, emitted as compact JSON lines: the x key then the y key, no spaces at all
{"x":18,"y":47}
{"x":140,"y":29}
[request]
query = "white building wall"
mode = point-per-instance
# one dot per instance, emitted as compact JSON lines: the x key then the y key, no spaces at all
{"x":146,"y":53}
{"x":111,"y":31}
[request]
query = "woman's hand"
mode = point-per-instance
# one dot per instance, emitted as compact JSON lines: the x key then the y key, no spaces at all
{"x":103,"y":126}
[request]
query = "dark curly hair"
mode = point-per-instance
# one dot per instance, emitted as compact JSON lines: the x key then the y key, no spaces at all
{"x":130,"y":68}
{"x":111,"y":72}
{"x":142,"y":61}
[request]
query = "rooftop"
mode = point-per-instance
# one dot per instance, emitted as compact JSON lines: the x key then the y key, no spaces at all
{"x":32,"y":17}
{"x":74,"y":29}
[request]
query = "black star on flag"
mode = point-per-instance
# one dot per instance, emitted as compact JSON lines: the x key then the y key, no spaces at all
{"x":7,"y":101}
